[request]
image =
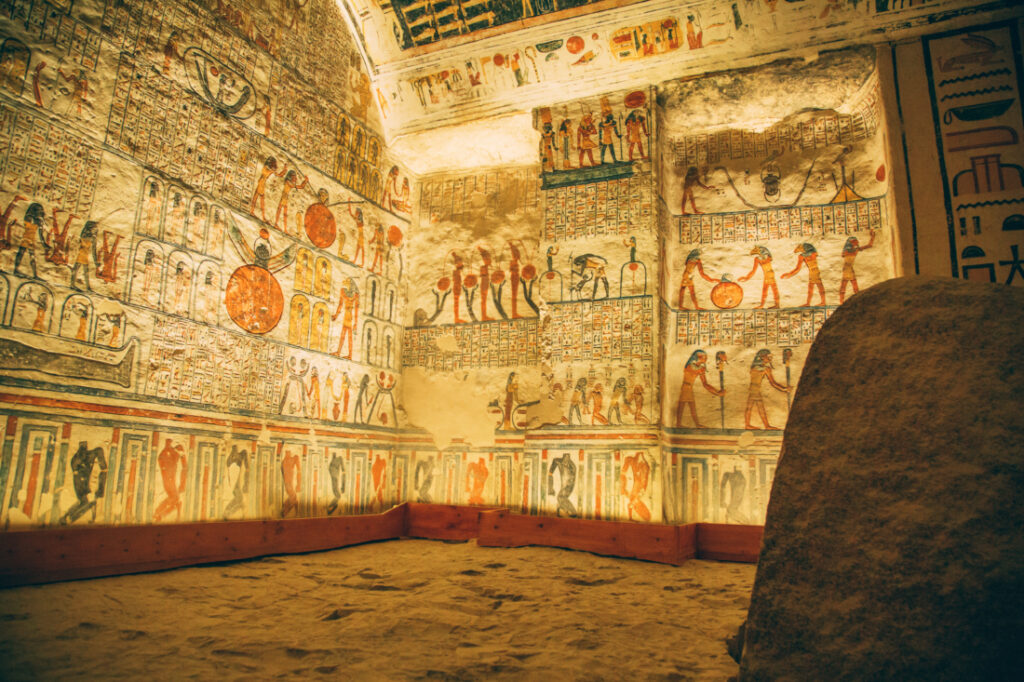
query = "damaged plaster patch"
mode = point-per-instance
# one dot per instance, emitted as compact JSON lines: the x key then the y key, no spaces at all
{"x":446,"y":343}
{"x":449,"y":407}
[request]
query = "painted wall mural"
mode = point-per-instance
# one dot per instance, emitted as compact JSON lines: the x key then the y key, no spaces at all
{"x":975,"y":79}
{"x":453,"y":63}
{"x":199,"y":246}
{"x":222,"y":296}
{"x":766,"y":232}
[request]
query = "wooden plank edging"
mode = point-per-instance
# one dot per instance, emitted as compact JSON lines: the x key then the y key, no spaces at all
{"x":55,"y":554}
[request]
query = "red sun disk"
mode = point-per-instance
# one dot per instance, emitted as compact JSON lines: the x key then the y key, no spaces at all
{"x":726,"y":295}
{"x":574,"y":45}
{"x":254,"y":300}
{"x":320,"y":225}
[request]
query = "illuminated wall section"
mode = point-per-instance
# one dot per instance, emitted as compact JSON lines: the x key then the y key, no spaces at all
{"x":534,"y":322}
{"x":200,"y":264}
{"x":774,"y":210}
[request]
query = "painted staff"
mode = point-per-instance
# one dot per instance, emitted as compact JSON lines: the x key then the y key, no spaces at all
{"x":787,"y":353}
{"x":720,"y":361}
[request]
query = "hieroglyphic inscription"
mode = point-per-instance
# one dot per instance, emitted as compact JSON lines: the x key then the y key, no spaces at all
{"x":750,"y":327}
{"x":54,"y":26}
{"x":610,"y":329}
{"x":43,"y":160}
{"x":828,"y":220}
{"x":146,"y":27}
{"x":160,"y":124}
{"x":822,"y":131}
{"x":507,"y":343}
{"x":209,"y":366}
{"x":452,"y":198}
{"x":598,"y":208}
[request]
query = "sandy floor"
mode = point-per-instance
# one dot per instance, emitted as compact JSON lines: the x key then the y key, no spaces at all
{"x":408,"y":609}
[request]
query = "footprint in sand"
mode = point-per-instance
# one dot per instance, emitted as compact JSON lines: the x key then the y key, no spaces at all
{"x":590,"y":583}
{"x":338,"y":614}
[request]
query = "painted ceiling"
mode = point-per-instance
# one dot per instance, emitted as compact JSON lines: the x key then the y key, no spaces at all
{"x":436,"y":63}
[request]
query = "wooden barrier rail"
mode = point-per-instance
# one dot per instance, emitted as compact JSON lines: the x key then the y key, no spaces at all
{"x":55,"y":554}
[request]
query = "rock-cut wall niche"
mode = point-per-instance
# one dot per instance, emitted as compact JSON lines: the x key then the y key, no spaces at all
{"x":775,"y":209}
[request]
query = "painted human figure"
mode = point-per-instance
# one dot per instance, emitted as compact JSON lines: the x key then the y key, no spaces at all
{"x":290,"y":474}
{"x":584,"y":139}
{"x":850,"y":251}
{"x":566,"y":469}
{"x":696,"y":368}
{"x":360,"y":254}
{"x":259,"y":193}
{"x":291,"y":182}
{"x":763,"y":259}
{"x":550,"y":255}
{"x":609,"y":131}
{"x":377,"y":472}
{"x":313,"y":393}
{"x":358,"y":415}
{"x":693,"y":263}
{"x":112,"y":322}
{"x":618,"y":399}
{"x":597,"y":405}
{"x":32,"y":229}
{"x":336,"y":470}
{"x":424,"y":479}
{"x":638,"y":404}
{"x":56,"y":240}
{"x":636,"y":132}
{"x":578,"y":399}
{"x":348,"y":303}
{"x":237,"y":467}
{"x":173,"y":470}
{"x":691,"y":179}
{"x":106,"y":256}
{"x":79,"y":89}
{"x":694,"y":33}
{"x":734,"y":485}
{"x":565,"y":141}
{"x":476,"y":478}
{"x":174,"y":227}
{"x":42,"y":304}
{"x":195,"y":232}
{"x":808,"y":255}
{"x":86,"y":465}
{"x":547,"y":147}
{"x":637,"y":468}
{"x":152,"y":207}
{"x":390,"y":192}
{"x":457,"y":266}
{"x":377,"y":242}
{"x":346,"y":387}
{"x":86,"y":253}
{"x":6,"y":228}
{"x":182,"y":287}
{"x":761,"y":369}
{"x":150,"y":276}
{"x":402,"y":203}
{"x":511,"y":399}
{"x":82,"y":311}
